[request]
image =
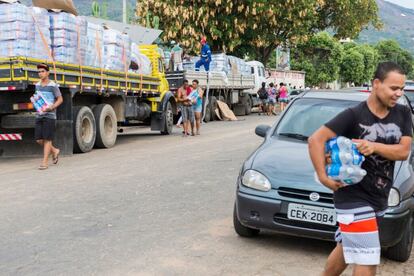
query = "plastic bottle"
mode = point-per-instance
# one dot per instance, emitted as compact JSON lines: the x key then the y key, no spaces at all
{"x":358,"y":158}
{"x":356,"y":177}
{"x":339,"y":144}
{"x":346,"y":174}
{"x":342,"y":158}
{"x":338,"y":172}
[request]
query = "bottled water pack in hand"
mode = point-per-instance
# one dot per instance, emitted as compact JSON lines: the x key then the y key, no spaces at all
{"x":346,"y":161}
{"x":348,"y":174}
{"x":40,"y":103}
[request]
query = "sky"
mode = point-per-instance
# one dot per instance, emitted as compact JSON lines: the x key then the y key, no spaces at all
{"x":404,"y":3}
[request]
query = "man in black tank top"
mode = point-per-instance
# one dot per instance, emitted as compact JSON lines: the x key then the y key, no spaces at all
{"x":382,"y":131}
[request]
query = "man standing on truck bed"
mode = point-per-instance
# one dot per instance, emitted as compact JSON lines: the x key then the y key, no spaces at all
{"x":46,"y":121}
{"x":205,"y":56}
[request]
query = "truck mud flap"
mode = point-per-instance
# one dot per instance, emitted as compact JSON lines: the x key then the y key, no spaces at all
{"x":28,"y":147}
{"x":157,"y":121}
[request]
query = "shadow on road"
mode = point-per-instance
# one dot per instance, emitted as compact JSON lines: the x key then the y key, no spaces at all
{"x":273,"y":240}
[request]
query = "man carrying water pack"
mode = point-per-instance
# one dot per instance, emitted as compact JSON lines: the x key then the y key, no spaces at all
{"x":382,"y":131}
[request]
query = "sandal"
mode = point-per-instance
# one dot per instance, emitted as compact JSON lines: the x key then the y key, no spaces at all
{"x":43,"y":167}
{"x":56,"y":158}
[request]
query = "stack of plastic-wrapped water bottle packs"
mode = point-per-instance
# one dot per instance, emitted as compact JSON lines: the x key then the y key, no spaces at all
{"x":36,"y":33}
{"x":346,"y":161}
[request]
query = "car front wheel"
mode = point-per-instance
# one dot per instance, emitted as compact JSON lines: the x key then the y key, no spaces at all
{"x":242,"y":230}
{"x":401,"y":251}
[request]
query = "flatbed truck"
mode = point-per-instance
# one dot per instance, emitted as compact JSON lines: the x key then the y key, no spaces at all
{"x":96,"y":104}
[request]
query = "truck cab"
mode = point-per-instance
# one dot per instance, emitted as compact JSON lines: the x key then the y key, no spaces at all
{"x":258,"y":72}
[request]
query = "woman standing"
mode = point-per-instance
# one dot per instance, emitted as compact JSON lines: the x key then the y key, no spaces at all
{"x":283,"y":92}
{"x":197,"y":99}
{"x":272,"y":99}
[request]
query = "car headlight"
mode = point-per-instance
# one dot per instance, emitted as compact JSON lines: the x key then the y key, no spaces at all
{"x":393,"y":198}
{"x":255,"y":180}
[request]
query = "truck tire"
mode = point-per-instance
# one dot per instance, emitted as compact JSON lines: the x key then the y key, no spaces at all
{"x":242,"y":230}
{"x":84,"y":129}
{"x":214,"y":106}
{"x":239,"y":110}
{"x":207,"y":112}
{"x":106,"y":126}
{"x":248,"y":105}
{"x":168,"y":120}
{"x":401,"y":251}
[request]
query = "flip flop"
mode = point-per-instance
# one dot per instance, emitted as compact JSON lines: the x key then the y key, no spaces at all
{"x":56,"y":158}
{"x":43,"y":167}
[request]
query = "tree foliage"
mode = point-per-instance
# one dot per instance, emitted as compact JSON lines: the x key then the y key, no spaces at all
{"x":256,"y":27}
{"x":355,"y":70}
{"x":352,"y":66}
{"x":390,"y":50}
{"x":320,"y":57}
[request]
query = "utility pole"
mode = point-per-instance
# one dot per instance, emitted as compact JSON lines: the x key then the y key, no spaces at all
{"x":124,"y":11}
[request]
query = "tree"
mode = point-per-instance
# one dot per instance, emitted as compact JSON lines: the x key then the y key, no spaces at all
{"x":353,"y":66}
{"x":370,"y":55}
{"x":411,"y":75}
{"x":390,"y":50}
{"x":256,"y":27}
{"x":320,"y":57}
{"x":370,"y":61}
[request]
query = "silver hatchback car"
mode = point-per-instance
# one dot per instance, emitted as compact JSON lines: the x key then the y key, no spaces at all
{"x":277,"y":189}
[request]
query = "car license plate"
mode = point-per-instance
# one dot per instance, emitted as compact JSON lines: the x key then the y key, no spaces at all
{"x":311,"y":214}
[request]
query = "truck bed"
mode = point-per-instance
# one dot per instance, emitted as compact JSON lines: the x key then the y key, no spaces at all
{"x":218,"y":80}
{"x":20,"y":73}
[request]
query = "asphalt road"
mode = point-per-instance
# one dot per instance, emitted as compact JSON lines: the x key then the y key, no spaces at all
{"x":152,"y":205}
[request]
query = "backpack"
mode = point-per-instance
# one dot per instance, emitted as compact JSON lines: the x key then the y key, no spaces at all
{"x":262,"y":94}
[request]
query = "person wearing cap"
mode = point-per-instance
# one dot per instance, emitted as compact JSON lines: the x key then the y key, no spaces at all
{"x":205,"y":56}
{"x":45,"y":126}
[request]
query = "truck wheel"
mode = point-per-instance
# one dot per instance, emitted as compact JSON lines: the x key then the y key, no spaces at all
{"x":168,"y":120}
{"x":242,"y":230}
{"x":214,"y":106}
{"x":401,"y":251}
{"x":106,"y":126}
{"x":239,"y":109}
{"x":207,"y":112}
{"x":84,"y":129}
{"x":249,"y":105}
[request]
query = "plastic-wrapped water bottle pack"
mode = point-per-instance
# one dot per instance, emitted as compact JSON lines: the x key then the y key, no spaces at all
{"x":346,"y":161}
{"x":117,"y":50}
{"x":20,"y":29}
{"x":36,"y":33}
{"x":14,"y":12}
{"x":63,"y":31}
{"x":94,"y":56}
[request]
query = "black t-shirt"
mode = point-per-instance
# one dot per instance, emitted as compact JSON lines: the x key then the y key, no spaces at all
{"x":360,"y":123}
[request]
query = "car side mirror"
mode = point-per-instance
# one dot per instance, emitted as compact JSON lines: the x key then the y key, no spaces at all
{"x":262,"y":130}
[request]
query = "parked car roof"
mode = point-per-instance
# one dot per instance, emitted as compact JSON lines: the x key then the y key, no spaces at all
{"x":337,"y":95}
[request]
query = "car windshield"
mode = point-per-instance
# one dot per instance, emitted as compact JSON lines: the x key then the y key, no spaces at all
{"x":305,"y":116}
